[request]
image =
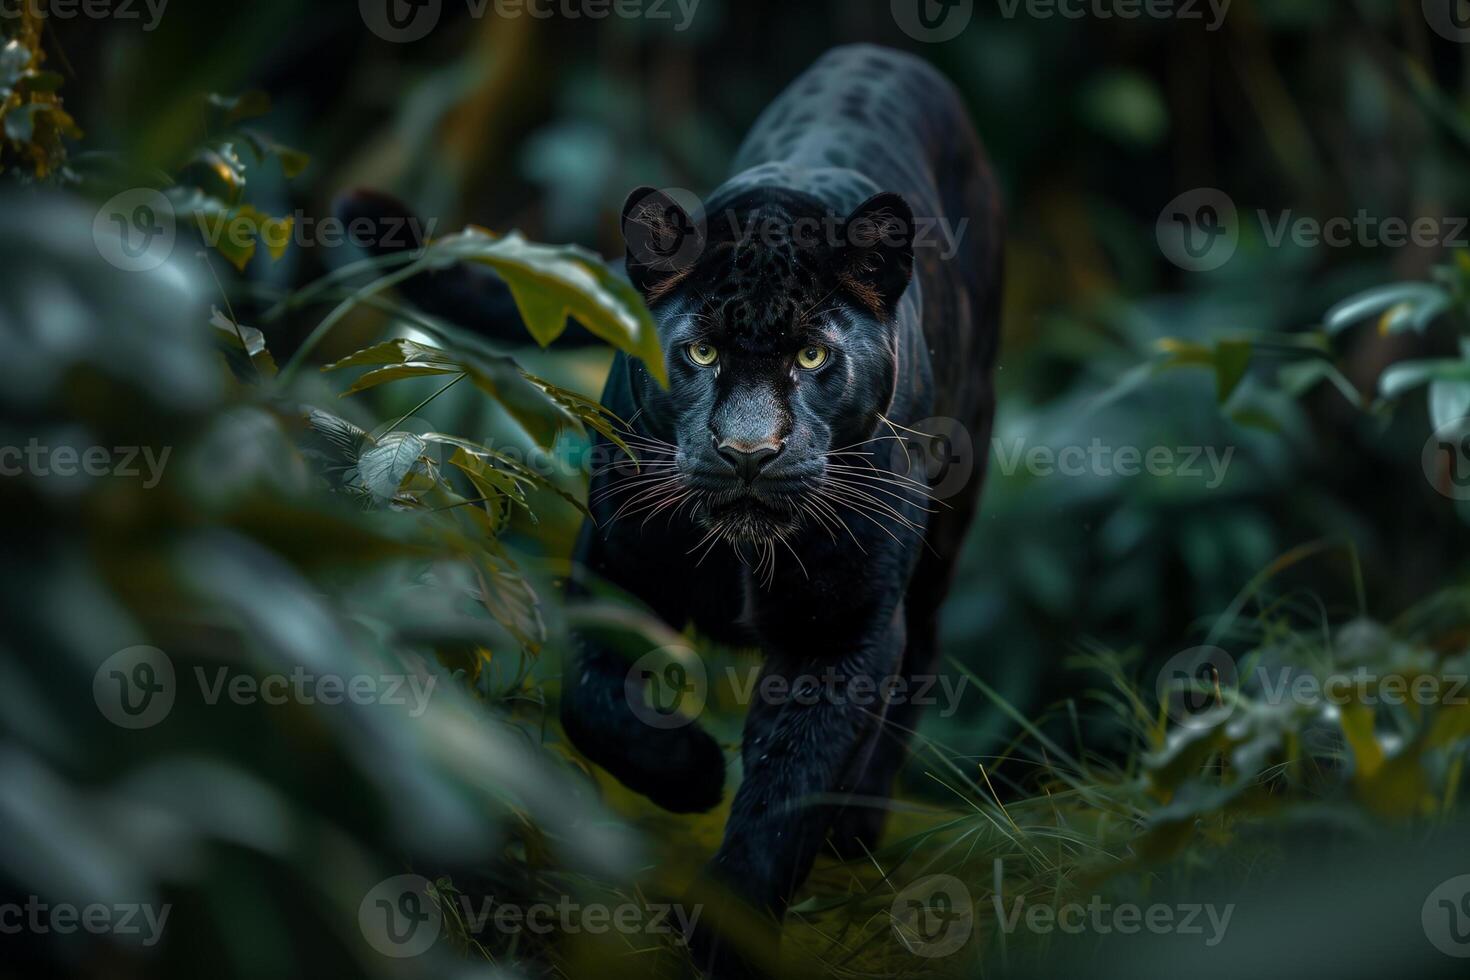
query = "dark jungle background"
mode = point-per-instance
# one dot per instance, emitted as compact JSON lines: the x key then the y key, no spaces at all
{"x":402,"y":530}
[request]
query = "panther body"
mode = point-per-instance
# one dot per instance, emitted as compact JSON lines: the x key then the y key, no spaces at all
{"x":874,"y":148}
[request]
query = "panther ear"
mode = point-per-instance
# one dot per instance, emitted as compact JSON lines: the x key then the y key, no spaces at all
{"x":664,"y":238}
{"x":878,"y":258}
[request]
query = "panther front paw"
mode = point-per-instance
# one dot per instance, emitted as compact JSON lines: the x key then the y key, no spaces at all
{"x":680,"y":769}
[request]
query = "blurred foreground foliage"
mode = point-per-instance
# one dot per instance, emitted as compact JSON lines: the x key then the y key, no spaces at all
{"x":292,"y":529}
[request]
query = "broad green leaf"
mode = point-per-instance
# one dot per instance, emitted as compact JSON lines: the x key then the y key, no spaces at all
{"x":293,"y":162}
{"x":1357,"y":308}
{"x":384,"y":467}
{"x":507,"y":462}
{"x":1408,"y":375}
{"x":397,"y":351}
{"x":541,"y":415}
{"x":246,"y":105}
{"x":553,"y":282}
{"x":396,"y":372}
{"x":14,"y":59}
{"x":244,"y":342}
{"x":1449,"y":401}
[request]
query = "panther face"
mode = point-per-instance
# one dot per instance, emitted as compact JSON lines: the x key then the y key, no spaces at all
{"x":777,"y":327}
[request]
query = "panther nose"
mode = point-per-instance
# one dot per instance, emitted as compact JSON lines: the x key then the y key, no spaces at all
{"x":748,"y":459}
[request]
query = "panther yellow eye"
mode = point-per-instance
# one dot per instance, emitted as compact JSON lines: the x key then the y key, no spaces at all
{"x":812,"y":358}
{"x":703,"y":354}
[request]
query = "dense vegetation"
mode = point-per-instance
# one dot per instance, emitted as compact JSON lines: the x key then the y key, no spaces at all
{"x":305,"y":475}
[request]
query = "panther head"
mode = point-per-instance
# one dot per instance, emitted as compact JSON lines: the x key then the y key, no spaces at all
{"x":777,"y":317}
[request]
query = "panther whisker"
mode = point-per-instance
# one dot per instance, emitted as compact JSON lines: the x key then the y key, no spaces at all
{"x":883,"y":476}
{"x":799,"y":563}
{"x":862,"y":511}
{"x":855,"y":492}
{"x":881,"y":486}
{"x":632,"y":483}
{"x":819,"y":503}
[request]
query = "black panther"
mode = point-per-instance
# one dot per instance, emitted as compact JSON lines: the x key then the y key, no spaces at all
{"x":840,"y":290}
{"x":817,"y":316}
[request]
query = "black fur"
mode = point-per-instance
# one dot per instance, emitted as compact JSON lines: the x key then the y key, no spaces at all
{"x":870,"y":147}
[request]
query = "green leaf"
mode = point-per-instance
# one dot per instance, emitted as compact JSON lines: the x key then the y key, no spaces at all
{"x":495,"y":374}
{"x":15,"y":58}
{"x":246,"y":105}
{"x":553,"y":282}
{"x":1449,"y":401}
{"x":1408,"y":375}
{"x":527,"y":474}
{"x":1297,"y":379}
{"x":395,"y":372}
{"x":384,"y":468}
{"x":1375,"y":301}
{"x":243,"y":342}
{"x":510,"y":599}
{"x":293,"y":162}
{"x":491,"y":483}
{"x":398,"y":351}
{"x":1232,"y":358}
{"x":231,"y":231}
{"x":20,"y":122}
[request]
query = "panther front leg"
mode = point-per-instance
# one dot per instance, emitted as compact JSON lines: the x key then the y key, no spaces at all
{"x":806,"y":739}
